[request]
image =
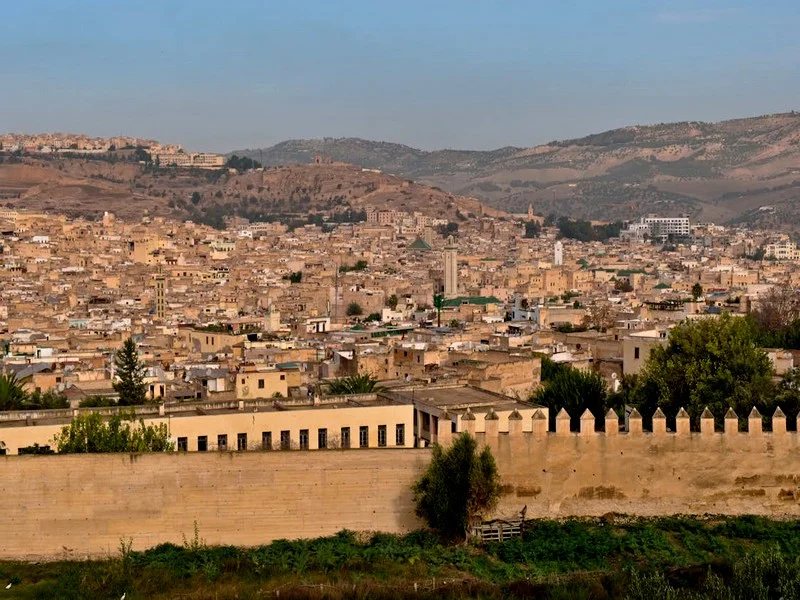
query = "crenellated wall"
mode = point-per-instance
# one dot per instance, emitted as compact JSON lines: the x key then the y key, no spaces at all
{"x":563,"y":473}
{"x":84,"y":504}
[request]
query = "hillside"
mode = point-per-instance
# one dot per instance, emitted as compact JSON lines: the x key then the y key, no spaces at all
{"x":721,"y":172}
{"x":78,"y":186}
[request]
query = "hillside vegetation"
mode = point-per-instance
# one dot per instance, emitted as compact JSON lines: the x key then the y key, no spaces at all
{"x":721,"y":172}
{"x":90,"y":186}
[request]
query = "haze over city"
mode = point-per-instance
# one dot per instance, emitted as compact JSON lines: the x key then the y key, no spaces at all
{"x":448,"y":74}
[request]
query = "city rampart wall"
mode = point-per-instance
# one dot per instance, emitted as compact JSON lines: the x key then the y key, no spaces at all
{"x":79,"y":505}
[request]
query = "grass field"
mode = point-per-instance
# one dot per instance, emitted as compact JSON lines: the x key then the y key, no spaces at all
{"x":615,"y":557}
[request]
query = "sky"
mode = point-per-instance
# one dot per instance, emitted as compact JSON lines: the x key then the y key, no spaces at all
{"x":473,"y":74}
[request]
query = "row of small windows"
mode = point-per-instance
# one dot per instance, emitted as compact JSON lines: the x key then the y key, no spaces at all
{"x":303,"y":439}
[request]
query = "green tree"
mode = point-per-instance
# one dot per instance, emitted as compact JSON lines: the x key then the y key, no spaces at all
{"x":89,"y":434}
{"x":438,"y":304}
{"x":130,"y":375}
{"x":141,"y":155}
{"x":697,"y":291}
{"x":354,"y":384}
{"x":96,"y":401}
{"x":49,"y":399}
{"x":572,"y":390}
{"x":12,"y":394}
{"x":294,"y":277}
{"x":459,"y":487}
{"x":787,"y":395}
{"x":391,"y":301}
{"x":354,"y":310}
{"x":710,"y":362}
{"x":242,"y":163}
{"x":532,"y":229}
{"x":196,"y":198}
{"x":373,"y":317}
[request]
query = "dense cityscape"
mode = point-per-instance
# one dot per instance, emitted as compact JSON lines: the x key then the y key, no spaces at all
{"x":435,"y":300}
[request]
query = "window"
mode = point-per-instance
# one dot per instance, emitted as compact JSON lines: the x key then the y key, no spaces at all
{"x":202,"y":443}
{"x":283,"y":377}
{"x":636,"y":353}
{"x":222,"y":441}
{"x":266,"y":440}
{"x":241,"y":441}
{"x":400,"y":434}
{"x":286,"y":440}
{"x":363,"y":436}
{"x":322,"y":438}
{"x":345,"y":437}
{"x":304,"y":439}
{"x":261,"y":384}
{"x":382,"y":436}
{"x":183,"y":444}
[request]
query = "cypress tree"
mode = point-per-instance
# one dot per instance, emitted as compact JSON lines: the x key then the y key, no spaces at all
{"x":130,"y":375}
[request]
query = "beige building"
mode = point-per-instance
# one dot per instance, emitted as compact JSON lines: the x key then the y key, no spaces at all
{"x":636,"y":349}
{"x":440,"y":411}
{"x":359,"y":421}
{"x":260,"y":382}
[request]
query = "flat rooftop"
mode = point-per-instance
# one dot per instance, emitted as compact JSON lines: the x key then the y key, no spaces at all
{"x":459,"y":398}
{"x":208,"y":408}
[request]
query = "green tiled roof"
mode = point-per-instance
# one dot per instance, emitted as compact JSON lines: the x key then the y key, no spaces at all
{"x":480,"y":300}
{"x":419,"y":244}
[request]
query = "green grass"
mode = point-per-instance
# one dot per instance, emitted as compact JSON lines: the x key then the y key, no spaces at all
{"x":620,"y":557}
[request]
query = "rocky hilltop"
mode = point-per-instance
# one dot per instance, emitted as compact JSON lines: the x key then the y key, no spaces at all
{"x":742,"y":170}
{"x":89,"y":186}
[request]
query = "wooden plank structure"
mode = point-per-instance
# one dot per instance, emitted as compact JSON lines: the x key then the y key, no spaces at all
{"x":499,"y":530}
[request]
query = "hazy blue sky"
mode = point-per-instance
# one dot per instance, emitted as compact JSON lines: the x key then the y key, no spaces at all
{"x":227,"y":74}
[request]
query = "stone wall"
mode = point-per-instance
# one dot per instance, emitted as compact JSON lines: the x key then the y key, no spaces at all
{"x":86,"y":504}
{"x":80,"y":505}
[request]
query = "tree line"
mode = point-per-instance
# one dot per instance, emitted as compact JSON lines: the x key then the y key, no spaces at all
{"x":711,"y":362}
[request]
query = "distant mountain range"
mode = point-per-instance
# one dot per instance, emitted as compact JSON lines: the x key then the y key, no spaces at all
{"x":742,"y":170}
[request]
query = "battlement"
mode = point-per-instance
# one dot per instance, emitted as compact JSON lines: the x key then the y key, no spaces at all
{"x":613,"y":428}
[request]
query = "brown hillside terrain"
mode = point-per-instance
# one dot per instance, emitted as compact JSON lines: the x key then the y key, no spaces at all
{"x":722,"y":172}
{"x":89,"y":186}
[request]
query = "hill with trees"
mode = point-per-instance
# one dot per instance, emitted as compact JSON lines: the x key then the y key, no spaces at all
{"x":296,"y":194}
{"x":720,"y":172}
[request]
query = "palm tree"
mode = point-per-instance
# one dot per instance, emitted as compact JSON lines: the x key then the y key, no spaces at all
{"x":12,"y":394}
{"x":354,"y":384}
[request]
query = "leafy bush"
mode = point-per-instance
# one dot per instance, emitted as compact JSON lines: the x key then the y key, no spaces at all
{"x":458,"y":488}
{"x":89,"y":433}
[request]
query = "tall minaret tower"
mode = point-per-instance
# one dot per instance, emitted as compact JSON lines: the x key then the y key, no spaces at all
{"x":161,"y":304}
{"x":450,"y":268}
{"x":558,"y":254}
{"x":530,"y":212}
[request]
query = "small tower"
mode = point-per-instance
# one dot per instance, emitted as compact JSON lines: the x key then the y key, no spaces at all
{"x":450,"y":268}
{"x":530,"y":212}
{"x":558,"y":254}
{"x":161,"y":304}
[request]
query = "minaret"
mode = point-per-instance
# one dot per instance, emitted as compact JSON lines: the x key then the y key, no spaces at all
{"x":530,"y":212}
{"x":161,"y":304}
{"x":450,"y":268}
{"x":558,"y":252}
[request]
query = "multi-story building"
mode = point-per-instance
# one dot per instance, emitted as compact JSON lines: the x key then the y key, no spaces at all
{"x":783,"y":250}
{"x":197,"y":160}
